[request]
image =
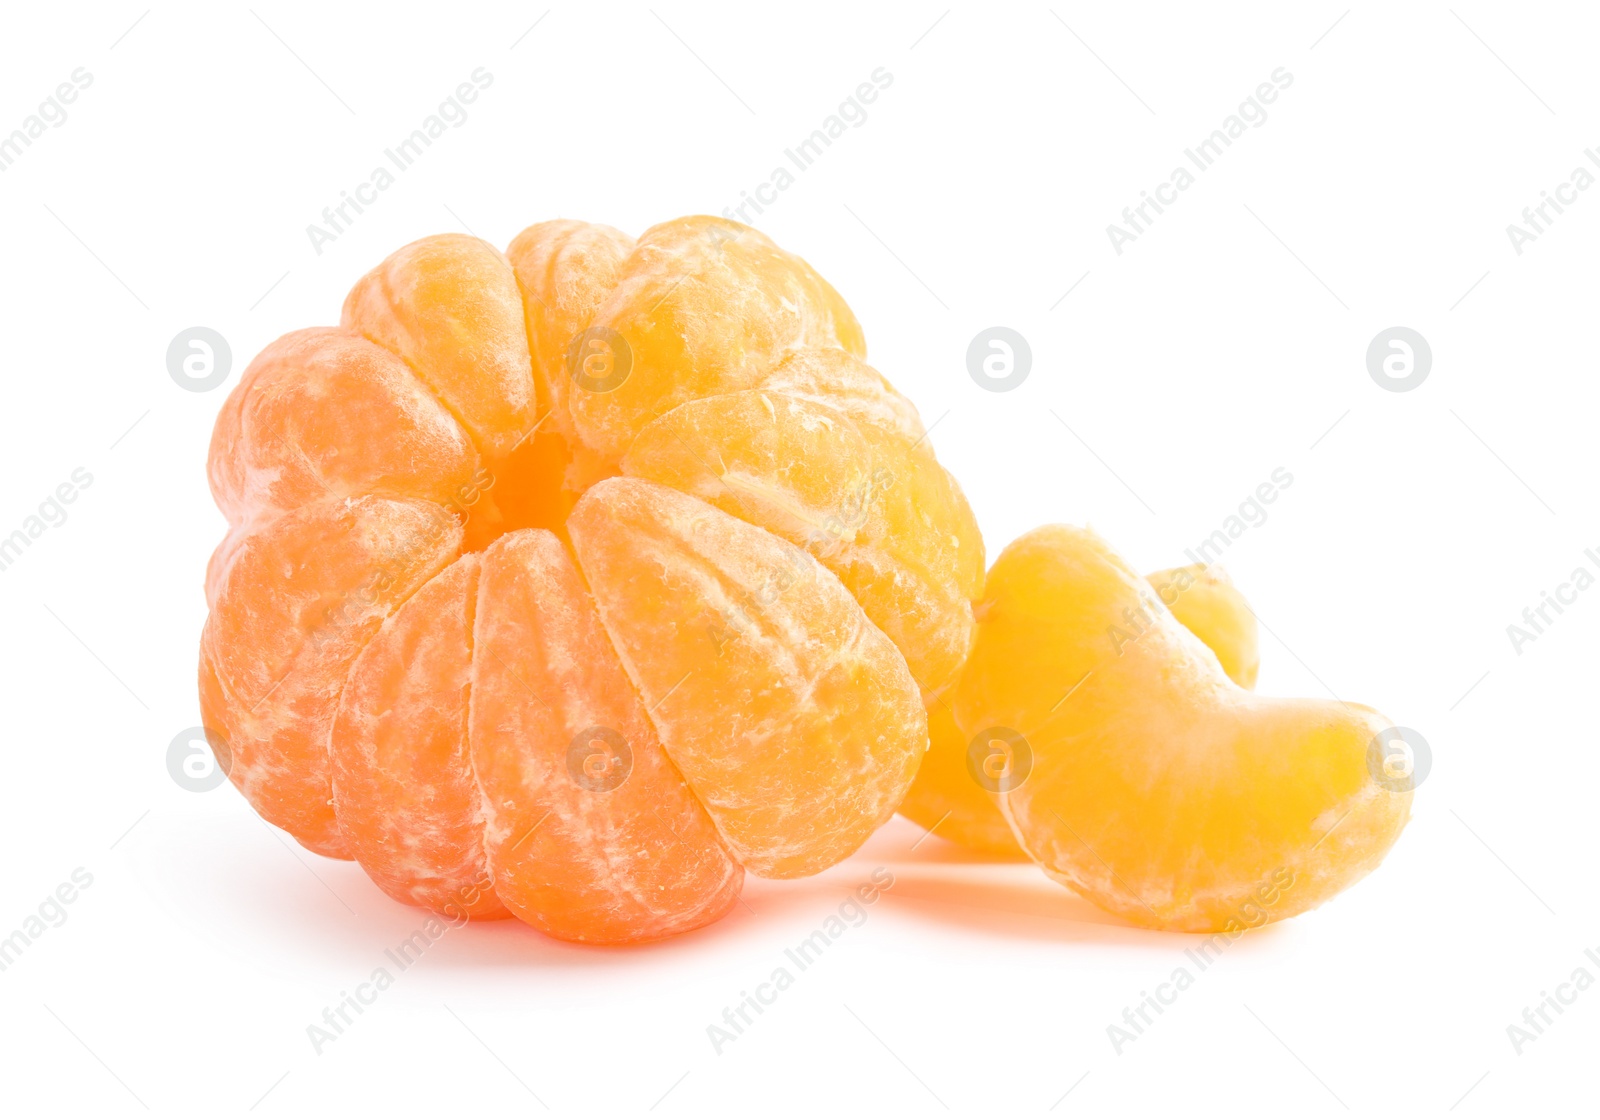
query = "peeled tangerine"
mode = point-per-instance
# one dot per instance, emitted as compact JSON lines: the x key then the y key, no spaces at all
{"x":573,"y":582}
{"x":955,"y":793}
{"x":1142,"y":776}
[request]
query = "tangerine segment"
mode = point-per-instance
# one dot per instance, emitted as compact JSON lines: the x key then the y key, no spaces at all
{"x":565,"y":270}
{"x":947,"y":799}
{"x":809,"y":474}
{"x":1205,"y":600}
{"x":321,"y":412}
{"x":1159,"y":789}
{"x":948,"y":796}
{"x":592,"y":834}
{"x":403,"y":789}
{"x":301,"y":598}
{"x":704,"y":306}
{"x":923,"y":491}
{"x":839,"y":379}
{"x":450,"y":307}
{"x":792,"y":717}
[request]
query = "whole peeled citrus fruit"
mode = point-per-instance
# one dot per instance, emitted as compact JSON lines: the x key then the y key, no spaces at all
{"x":574,"y":581}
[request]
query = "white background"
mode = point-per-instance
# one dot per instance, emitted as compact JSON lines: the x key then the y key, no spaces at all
{"x":1227,"y":341}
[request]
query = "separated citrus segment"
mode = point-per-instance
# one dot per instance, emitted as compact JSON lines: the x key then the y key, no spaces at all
{"x":954,"y":795}
{"x":1158,"y":788}
{"x":792,"y":717}
{"x":1204,"y":599}
{"x":951,"y":796}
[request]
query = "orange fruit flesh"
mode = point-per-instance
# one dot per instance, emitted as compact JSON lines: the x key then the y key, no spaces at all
{"x":949,"y":799}
{"x":424,"y":728}
{"x":703,"y":306}
{"x":650,"y":862}
{"x":278,"y":444}
{"x":449,"y":307}
{"x":1205,"y":600}
{"x":845,"y":492}
{"x":1158,"y":788}
{"x":301,"y":598}
{"x":792,"y":717}
{"x":403,"y":786}
{"x":565,"y":270}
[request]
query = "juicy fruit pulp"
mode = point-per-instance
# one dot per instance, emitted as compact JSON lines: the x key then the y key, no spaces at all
{"x":1205,"y":600}
{"x":955,"y":792}
{"x":574,"y":582}
{"x":1158,"y":788}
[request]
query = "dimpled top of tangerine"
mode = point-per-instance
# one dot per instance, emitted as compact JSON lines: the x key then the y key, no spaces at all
{"x":405,"y":658}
